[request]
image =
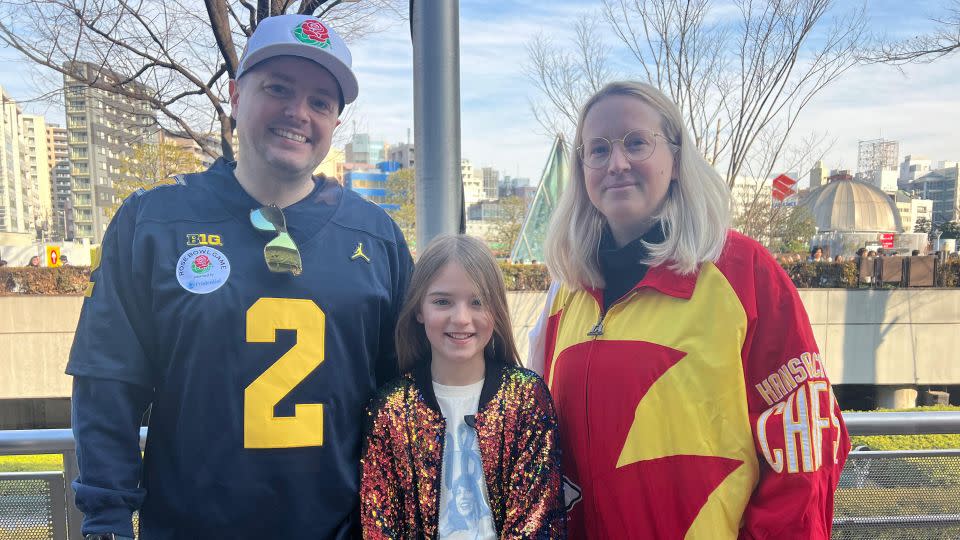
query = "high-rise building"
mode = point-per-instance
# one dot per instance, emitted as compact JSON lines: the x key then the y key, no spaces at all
{"x":38,"y":171}
{"x":16,"y":189}
{"x":913,"y":167}
{"x":58,"y":158}
{"x":192,"y":147}
{"x":102,"y":128}
{"x":362,"y":149}
{"x":943,"y":188}
{"x":403,"y":154}
{"x":472,"y":184}
{"x":491,"y":180}
{"x":818,"y":175}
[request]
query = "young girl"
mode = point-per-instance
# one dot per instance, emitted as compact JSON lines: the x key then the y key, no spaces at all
{"x":464,"y":444}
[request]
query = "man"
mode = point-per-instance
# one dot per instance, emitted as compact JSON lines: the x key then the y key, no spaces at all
{"x":251,"y":307}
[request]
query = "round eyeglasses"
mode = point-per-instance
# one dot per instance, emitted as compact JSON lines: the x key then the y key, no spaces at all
{"x":638,"y":145}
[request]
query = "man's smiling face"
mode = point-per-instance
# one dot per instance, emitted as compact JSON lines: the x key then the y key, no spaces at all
{"x":286,"y":109}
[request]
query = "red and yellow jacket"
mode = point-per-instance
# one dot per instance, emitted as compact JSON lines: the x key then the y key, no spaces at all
{"x":696,"y":407}
{"x":517,"y":435}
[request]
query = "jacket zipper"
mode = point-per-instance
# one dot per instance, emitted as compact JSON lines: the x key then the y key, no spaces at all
{"x":597,"y":329}
{"x":439,"y":479}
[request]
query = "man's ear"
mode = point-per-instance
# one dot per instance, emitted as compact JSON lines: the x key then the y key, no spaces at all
{"x":234,"y":98}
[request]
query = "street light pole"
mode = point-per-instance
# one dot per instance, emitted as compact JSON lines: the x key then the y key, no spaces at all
{"x":436,"y":117}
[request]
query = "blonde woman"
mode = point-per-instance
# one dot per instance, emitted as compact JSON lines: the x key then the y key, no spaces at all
{"x":692,"y":398}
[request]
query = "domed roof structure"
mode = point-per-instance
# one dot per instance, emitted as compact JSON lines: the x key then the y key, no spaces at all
{"x":852,"y":206}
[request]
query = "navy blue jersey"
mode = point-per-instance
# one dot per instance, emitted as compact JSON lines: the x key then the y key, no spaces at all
{"x":257,"y":380}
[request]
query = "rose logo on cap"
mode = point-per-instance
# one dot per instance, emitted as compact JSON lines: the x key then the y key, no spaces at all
{"x":312,"y":32}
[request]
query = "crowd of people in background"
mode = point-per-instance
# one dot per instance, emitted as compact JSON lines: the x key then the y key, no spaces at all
{"x":35,"y":261}
{"x":817,"y":255}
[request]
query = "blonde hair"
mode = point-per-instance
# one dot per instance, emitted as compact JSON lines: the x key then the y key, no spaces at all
{"x":695,"y":215}
{"x":477,"y":261}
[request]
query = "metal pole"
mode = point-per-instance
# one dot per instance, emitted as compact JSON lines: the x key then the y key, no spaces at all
{"x":902,"y":423}
{"x":74,"y":517}
{"x":436,"y":117}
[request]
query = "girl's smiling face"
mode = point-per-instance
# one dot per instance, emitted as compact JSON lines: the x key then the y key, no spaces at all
{"x":457,"y":323}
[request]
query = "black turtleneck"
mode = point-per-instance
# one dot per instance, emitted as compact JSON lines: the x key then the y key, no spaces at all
{"x":621,"y":267}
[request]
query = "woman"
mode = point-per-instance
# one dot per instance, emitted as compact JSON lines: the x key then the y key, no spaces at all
{"x":677,"y":352}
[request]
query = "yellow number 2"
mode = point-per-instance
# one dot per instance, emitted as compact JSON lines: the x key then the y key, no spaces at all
{"x":261,"y":428}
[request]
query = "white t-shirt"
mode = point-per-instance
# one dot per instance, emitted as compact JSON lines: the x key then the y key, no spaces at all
{"x":464,"y":508}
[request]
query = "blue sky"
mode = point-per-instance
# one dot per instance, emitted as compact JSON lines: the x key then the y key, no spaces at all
{"x":916,"y":105}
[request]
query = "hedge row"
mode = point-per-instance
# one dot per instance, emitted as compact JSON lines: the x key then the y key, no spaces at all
{"x":518,"y":277}
{"x":525,"y":277}
{"x":68,"y":280}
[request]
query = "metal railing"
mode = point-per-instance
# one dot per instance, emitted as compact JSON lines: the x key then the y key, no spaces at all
{"x":34,"y":503}
{"x":882,"y":494}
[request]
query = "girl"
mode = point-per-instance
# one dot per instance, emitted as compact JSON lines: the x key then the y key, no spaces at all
{"x":464,"y":444}
{"x":692,"y":398}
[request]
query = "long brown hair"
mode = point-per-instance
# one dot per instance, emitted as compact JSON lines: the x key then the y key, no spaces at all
{"x":478,"y":262}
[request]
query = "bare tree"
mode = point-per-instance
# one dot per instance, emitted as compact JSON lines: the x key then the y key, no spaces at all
{"x":680,"y":52}
{"x":943,"y":40}
{"x":741,"y":79}
{"x":755,"y":214}
{"x":566,"y":79}
{"x":175,"y":55}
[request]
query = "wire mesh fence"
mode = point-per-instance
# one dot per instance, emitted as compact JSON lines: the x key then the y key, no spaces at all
{"x":900,"y":494}
{"x":32,"y":506}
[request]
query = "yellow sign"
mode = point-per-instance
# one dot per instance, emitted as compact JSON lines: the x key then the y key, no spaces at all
{"x":53,"y":256}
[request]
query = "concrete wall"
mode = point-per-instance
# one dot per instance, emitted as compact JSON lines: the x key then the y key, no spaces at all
{"x":884,"y":337}
{"x":887,"y":337}
{"x":35,"y":337}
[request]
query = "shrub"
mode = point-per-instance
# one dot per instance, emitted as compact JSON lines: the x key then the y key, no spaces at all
{"x":525,"y":277}
{"x":65,"y":280}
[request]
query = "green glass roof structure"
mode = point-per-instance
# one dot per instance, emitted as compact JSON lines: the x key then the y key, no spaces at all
{"x":529,"y":246}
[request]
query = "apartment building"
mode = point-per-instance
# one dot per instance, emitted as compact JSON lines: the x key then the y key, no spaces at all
{"x":102,"y":128}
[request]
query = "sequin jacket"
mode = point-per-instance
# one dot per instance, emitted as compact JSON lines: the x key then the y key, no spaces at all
{"x":517,"y":435}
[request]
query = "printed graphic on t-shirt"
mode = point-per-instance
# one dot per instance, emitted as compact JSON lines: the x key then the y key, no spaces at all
{"x":466,"y":515}
{"x":464,"y":511}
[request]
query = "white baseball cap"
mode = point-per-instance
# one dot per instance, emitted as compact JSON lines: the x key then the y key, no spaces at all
{"x":304,"y":36}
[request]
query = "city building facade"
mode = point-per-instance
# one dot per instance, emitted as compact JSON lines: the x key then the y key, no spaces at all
{"x":332,"y":166}
{"x":472,"y":183}
{"x":818,"y":175}
{"x":58,"y":158}
{"x":942,"y":187}
{"x":912,"y":210}
{"x":16,"y":189}
{"x":38,"y":172}
{"x":491,"y":180}
{"x":371,"y":182}
{"x":403,"y":154}
{"x":363,"y":149}
{"x":911,"y":168}
{"x":102,"y":128}
{"x":192,"y":147}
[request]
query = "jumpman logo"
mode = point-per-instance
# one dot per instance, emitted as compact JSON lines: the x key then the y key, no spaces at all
{"x":359,"y":254}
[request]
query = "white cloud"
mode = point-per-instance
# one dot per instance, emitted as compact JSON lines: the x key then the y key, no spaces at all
{"x":917,"y":107}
